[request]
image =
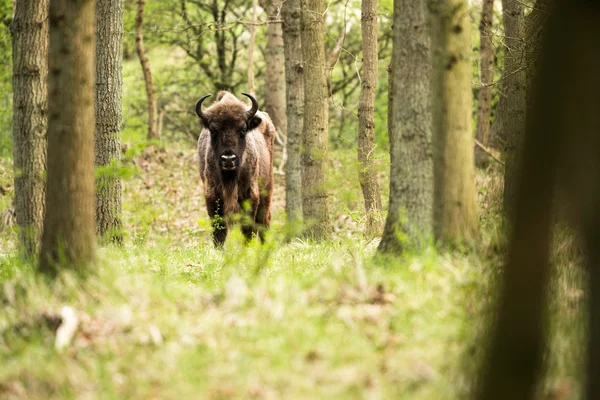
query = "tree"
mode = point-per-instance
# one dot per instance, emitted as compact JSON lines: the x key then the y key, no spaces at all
{"x":212,"y":39}
{"x":513,"y":114}
{"x":366,"y":120}
{"x":455,"y":213}
{"x":411,"y":172}
{"x":251,"y":45}
{"x":486,"y":77}
{"x":522,"y":43}
{"x":150,"y":91}
{"x":294,"y":71}
{"x":275,"y":95}
{"x":108,"y":110}
{"x":561,"y":154}
{"x":316,"y":110}
{"x":69,"y":234}
{"x":30,"y":74}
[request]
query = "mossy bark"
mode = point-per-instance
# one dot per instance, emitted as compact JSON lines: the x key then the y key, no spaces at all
{"x":30,"y":110}
{"x":455,"y":213}
{"x":315,"y":131}
{"x":367,"y":172}
{"x":68,"y":240}
{"x":409,"y":219}
{"x":108,"y":109}
{"x":294,"y":75}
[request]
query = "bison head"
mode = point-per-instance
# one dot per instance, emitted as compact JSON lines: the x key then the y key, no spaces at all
{"x":228,"y":120}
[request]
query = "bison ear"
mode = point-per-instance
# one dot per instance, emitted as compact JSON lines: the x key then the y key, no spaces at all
{"x":254,"y":122}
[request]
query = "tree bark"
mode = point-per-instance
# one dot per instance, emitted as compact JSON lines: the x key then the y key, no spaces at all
{"x":275,"y":95}
{"x":514,"y":88}
{"x":486,"y":77}
{"x":30,"y":107}
{"x":367,"y":172}
{"x":315,"y":130}
{"x":150,"y":91}
{"x":294,"y":72}
{"x":69,"y":238}
{"x":109,"y":82}
{"x":409,"y":220}
{"x":455,"y":213}
{"x":252,"y":43}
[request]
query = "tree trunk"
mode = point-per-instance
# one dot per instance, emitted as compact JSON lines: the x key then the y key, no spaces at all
{"x":561,"y":142}
{"x":69,"y":238}
{"x":455,"y":213}
{"x":141,"y":51}
{"x":294,"y":72}
{"x":367,"y":172}
{"x":315,"y":132}
{"x":514,"y":89}
{"x":409,"y":219}
{"x":275,"y":96}
{"x":109,"y":56}
{"x":252,"y":43}
{"x":486,"y":77}
{"x":30,"y":105}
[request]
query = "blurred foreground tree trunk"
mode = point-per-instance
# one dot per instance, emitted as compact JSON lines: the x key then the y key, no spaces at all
{"x":69,"y":235}
{"x":455,"y":212}
{"x":294,"y":75}
{"x":30,"y":107}
{"x":367,"y":172}
{"x":275,"y":95}
{"x":409,"y":220}
{"x":150,"y":91}
{"x":561,"y":146}
{"x":486,"y":77}
{"x":109,"y":82}
{"x":315,"y":130}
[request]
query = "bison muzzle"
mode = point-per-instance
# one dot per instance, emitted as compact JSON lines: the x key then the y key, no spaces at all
{"x":235,"y":150}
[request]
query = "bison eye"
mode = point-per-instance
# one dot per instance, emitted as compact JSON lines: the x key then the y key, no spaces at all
{"x":244,"y":131}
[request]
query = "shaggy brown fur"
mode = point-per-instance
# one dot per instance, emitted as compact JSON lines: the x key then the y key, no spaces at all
{"x":249,"y":187}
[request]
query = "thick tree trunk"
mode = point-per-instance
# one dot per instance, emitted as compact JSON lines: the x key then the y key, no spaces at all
{"x":251,"y":45}
{"x":69,"y":235}
{"x":275,"y":96}
{"x":561,"y":142}
{"x":486,"y":77}
{"x":455,"y":213}
{"x":294,"y":72}
{"x":150,"y":91}
{"x":514,"y":89}
{"x":410,"y":213}
{"x":367,"y":172}
{"x":30,"y":105}
{"x":109,"y":56}
{"x":315,"y":132}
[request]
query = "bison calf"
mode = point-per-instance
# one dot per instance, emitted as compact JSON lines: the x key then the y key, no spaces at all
{"x":235,"y":150}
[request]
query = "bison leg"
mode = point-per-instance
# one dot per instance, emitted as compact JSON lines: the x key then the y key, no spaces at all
{"x":249,"y":228}
{"x":214,"y":206}
{"x":263,"y":216}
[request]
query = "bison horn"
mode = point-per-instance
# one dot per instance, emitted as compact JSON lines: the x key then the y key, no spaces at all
{"x":250,"y":113}
{"x":199,"y":112}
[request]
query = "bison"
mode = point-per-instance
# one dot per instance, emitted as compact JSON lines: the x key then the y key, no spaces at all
{"x":235,"y":150}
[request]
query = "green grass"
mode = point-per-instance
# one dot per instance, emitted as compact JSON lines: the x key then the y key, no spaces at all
{"x":318,"y":321}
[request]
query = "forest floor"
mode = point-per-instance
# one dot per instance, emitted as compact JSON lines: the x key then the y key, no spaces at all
{"x":167,"y":316}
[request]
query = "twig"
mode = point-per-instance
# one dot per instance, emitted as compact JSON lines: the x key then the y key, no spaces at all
{"x":485,"y":149}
